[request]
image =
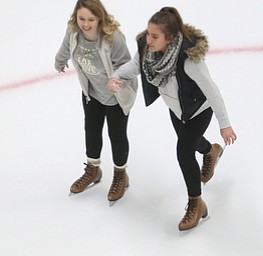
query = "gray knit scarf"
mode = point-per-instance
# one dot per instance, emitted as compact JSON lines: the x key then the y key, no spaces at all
{"x":159,"y":68}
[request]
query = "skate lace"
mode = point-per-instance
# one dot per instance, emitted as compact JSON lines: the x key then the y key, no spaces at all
{"x":207,"y":163}
{"x":118,"y":179}
{"x":190,"y":208}
{"x":85,"y":178}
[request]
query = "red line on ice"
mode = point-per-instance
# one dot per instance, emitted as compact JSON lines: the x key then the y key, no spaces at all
{"x":35,"y":80}
{"x":48,"y":77}
{"x":255,"y":49}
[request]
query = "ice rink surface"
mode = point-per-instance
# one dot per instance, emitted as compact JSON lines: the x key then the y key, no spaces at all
{"x":42,"y":142}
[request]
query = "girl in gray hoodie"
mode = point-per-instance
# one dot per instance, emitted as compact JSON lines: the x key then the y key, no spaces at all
{"x":97,"y":48}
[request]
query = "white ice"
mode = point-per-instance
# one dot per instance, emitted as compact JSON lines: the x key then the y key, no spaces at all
{"x":42,"y":143}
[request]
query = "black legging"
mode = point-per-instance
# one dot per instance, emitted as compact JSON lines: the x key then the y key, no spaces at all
{"x":95,"y":114}
{"x":190,"y":140}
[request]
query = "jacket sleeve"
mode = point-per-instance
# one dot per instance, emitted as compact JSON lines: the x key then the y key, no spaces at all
{"x":129,"y":70}
{"x":119,"y":52}
{"x":63,"y":55}
{"x":198,"y":71}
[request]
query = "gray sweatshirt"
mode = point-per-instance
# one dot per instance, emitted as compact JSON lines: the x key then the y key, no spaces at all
{"x":112,"y":55}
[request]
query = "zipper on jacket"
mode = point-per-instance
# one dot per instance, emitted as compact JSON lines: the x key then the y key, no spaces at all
{"x":180,"y":98}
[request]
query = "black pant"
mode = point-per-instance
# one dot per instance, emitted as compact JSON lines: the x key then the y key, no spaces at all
{"x":190,"y":140}
{"x":95,"y":114}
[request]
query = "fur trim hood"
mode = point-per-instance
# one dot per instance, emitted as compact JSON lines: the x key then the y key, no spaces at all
{"x":199,"y":43}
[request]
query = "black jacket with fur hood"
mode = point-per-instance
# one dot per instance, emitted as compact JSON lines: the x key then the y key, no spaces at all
{"x":190,"y":95}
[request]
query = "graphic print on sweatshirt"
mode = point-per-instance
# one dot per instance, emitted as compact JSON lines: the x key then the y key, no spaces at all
{"x":87,"y":58}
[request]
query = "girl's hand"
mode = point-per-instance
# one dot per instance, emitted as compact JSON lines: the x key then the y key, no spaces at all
{"x":114,"y":85}
{"x":228,"y":135}
{"x":63,"y":69}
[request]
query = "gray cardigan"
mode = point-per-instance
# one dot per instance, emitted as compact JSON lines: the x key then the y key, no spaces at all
{"x":112,"y":55}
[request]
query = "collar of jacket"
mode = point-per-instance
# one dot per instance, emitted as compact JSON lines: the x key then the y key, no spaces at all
{"x":198,"y":46}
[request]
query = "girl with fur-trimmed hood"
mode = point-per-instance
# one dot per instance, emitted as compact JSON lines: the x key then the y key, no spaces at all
{"x":170,"y":59}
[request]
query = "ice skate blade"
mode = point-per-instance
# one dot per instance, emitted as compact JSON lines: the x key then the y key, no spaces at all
{"x":111,"y":203}
{"x":90,"y":186}
{"x":187,"y":231}
{"x":220,"y":155}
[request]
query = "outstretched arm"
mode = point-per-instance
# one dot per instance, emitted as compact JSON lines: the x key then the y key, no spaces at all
{"x":63,"y":55}
{"x":127,"y":71}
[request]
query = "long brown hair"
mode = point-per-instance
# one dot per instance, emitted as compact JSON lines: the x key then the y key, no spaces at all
{"x":170,"y":22}
{"x":107,"y":25}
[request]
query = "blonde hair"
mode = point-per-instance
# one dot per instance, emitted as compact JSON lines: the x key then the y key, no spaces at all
{"x":107,"y":25}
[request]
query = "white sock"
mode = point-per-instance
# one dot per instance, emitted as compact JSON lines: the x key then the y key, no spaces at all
{"x":95,"y":162}
{"x":120,"y":167}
